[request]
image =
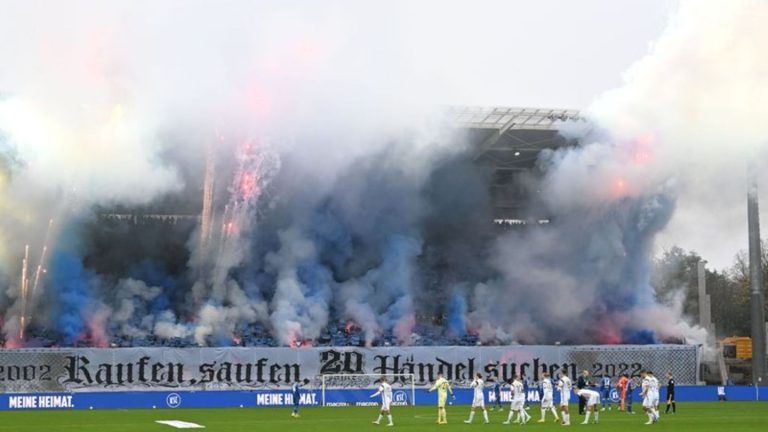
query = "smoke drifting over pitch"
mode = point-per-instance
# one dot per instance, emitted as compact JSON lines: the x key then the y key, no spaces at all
{"x":336,"y":192}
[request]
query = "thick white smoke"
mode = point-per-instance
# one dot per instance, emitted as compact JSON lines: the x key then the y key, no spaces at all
{"x":113,"y":105}
{"x":672,"y":145}
{"x":695,"y":106}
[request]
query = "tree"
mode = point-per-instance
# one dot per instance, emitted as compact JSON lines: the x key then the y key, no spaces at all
{"x":739,"y":274}
{"x":676,"y":271}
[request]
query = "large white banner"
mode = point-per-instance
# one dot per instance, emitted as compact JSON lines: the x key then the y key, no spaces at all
{"x":121,"y":369}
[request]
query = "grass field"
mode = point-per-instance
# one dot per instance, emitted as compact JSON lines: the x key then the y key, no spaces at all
{"x":698,"y":417}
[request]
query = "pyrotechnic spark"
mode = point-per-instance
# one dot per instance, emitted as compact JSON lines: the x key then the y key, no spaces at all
{"x":207,"y":213}
{"x":24,"y":290}
{"x":38,"y":273}
{"x":43,"y":255}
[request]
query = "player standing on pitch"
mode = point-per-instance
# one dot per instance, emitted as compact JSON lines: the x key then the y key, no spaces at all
{"x":296,"y":390}
{"x":655,"y":389}
{"x":518,"y":402}
{"x":478,"y":401}
{"x":497,"y":383}
{"x":622,"y":386}
{"x":385,"y":390}
{"x":443,"y":388}
{"x":564,"y":385}
{"x":671,"y":393}
{"x":650,"y":397}
{"x":547,"y":398}
{"x":605,"y":389}
{"x":631,"y":386}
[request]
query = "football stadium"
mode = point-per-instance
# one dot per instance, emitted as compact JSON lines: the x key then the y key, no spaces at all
{"x":316,"y":215}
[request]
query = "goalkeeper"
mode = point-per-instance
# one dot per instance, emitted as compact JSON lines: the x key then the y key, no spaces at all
{"x":443,"y":388}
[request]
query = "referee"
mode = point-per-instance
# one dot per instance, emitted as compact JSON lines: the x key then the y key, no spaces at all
{"x":671,"y":393}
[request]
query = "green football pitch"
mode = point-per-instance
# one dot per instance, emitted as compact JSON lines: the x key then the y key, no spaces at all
{"x":698,"y":417}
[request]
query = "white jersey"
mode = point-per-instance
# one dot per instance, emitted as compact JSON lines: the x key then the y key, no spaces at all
{"x":385,"y":390}
{"x":547,"y":394}
{"x":654,"y":387}
{"x":564,"y":385}
{"x":546,"y":387}
{"x":478,"y":386}
{"x":518,"y":390}
{"x":518,"y":395}
{"x":650,"y":391}
{"x":592,"y":397}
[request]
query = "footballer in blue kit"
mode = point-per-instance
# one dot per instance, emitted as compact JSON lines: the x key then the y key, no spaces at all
{"x":605,"y":391}
{"x":296,"y":390}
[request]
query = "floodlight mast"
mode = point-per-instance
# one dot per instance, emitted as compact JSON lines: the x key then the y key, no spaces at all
{"x":756,"y":279}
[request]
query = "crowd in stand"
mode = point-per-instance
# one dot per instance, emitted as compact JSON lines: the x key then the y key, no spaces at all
{"x":257,"y":335}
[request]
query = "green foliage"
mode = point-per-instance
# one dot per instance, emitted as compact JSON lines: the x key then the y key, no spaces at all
{"x":675,"y":273}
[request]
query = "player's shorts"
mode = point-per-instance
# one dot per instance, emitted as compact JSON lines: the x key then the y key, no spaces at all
{"x":518,"y":404}
{"x":441,"y":401}
{"x":650,"y":402}
{"x":547,"y":401}
{"x":593,"y":400}
{"x":564,"y":398}
{"x":385,"y":404}
{"x":478,"y":402}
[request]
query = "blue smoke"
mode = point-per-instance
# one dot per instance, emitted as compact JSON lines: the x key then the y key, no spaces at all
{"x":457,"y":313}
{"x":640,"y":337}
{"x":155,"y":276}
{"x":70,"y":284}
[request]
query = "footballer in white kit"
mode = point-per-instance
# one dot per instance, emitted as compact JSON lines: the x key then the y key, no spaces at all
{"x":564,"y":386}
{"x":650,"y":393}
{"x":547,"y":398}
{"x":478,"y":400}
{"x":592,"y":399}
{"x":518,"y":395}
{"x":385,"y":391}
{"x":518,"y":402}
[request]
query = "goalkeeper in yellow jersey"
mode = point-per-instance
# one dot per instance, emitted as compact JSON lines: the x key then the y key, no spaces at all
{"x":443,"y":388}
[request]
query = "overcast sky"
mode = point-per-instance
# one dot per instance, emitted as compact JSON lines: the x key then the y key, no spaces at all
{"x":548,"y":53}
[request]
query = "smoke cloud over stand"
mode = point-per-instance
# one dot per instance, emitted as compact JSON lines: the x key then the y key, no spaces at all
{"x":338,"y":193}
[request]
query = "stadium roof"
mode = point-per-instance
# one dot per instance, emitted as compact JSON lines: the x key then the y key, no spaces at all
{"x":508,"y":141}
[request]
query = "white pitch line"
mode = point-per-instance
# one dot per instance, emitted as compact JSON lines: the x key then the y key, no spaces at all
{"x":180,"y":424}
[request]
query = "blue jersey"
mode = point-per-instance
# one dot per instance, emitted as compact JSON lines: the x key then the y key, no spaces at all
{"x":296,"y":389}
{"x":497,"y":387}
{"x":605,"y":383}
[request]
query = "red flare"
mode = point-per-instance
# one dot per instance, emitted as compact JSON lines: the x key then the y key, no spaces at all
{"x":619,"y":188}
{"x":642,"y":149}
